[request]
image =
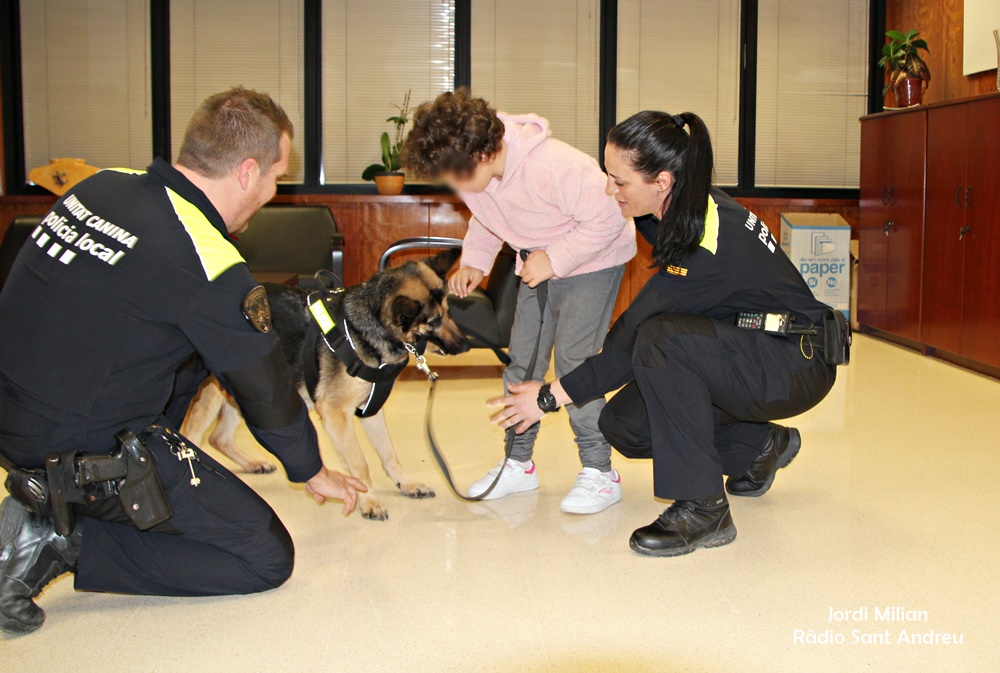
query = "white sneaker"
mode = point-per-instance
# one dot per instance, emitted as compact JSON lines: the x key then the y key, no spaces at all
{"x":516,"y":479}
{"x":594,"y":491}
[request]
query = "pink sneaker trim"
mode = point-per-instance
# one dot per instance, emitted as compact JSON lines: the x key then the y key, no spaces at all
{"x":532,"y":470}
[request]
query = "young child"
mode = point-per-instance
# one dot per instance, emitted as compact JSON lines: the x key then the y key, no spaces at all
{"x":539,"y":194}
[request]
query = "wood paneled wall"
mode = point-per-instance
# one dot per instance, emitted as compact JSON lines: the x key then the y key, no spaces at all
{"x":941,"y":24}
{"x":371,"y":224}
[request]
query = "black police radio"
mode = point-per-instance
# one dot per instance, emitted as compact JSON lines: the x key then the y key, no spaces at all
{"x":835,"y":331}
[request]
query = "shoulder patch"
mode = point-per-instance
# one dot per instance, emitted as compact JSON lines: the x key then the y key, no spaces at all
{"x":256,"y":309}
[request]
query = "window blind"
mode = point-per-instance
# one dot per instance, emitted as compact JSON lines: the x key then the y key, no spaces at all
{"x":683,"y":56}
{"x":373,"y":53}
{"x":812,"y":86}
{"x":85,"y":83}
{"x":217,"y":44}
{"x":541,"y":57}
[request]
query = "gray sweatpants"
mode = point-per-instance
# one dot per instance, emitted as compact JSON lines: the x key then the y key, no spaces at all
{"x":577,"y":316}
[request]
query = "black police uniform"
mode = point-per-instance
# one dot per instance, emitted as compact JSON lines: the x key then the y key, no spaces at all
{"x":129,"y":275}
{"x":699,"y":391}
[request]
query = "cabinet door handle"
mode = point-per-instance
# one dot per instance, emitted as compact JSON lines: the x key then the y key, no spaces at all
{"x":888,"y":225}
{"x":958,"y":197}
{"x":884,"y":190}
{"x":968,"y":190}
{"x":963,"y":231}
{"x":892,"y":201}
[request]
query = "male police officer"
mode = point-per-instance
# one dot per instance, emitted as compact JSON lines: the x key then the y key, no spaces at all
{"x":128,"y":275}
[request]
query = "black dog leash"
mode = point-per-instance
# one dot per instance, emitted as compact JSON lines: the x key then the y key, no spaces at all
{"x":542,"y":293}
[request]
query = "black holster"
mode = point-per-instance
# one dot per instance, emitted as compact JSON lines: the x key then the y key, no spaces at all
{"x":74,"y":478}
{"x":837,"y":338}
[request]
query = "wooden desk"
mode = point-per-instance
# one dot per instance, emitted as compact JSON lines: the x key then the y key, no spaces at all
{"x":279,"y":277}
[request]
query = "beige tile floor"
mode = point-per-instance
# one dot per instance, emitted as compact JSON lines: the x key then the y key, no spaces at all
{"x":891,"y":503}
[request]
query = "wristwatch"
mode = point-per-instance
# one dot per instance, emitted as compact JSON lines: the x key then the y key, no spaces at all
{"x":546,"y":400}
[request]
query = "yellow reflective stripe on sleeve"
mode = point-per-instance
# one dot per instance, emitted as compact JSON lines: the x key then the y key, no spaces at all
{"x":710,"y":241}
{"x":215,"y":252}
{"x":322,"y":316}
{"x":129,"y":171}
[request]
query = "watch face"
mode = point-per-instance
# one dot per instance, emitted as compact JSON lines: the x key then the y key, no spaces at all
{"x":546,"y":400}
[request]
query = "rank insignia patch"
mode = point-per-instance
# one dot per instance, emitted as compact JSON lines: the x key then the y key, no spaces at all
{"x":677,"y":270}
{"x":256,"y":309}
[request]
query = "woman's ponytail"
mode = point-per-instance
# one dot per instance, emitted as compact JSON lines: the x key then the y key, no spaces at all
{"x":653,"y":142}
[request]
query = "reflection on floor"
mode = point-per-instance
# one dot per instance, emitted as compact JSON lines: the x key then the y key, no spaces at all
{"x":888,"y":505}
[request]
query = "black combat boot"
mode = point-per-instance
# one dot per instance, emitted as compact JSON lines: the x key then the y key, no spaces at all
{"x":779,"y":450}
{"x":685,"y":526}
{"x":31,"y":556}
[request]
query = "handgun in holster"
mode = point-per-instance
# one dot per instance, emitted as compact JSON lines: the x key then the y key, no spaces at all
{"x":141,"y":493}
{"x":74,"y":478}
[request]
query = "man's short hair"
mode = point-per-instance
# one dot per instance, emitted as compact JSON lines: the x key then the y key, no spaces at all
{"x":452,"y":134}
{"x":230,"y":127}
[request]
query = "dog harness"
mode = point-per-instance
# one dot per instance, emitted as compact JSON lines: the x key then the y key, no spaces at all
{"x":327,"y":310}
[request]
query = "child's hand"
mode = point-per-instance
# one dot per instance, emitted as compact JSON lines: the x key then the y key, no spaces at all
{"x":537,"y":268}
{"x":464,"y":281}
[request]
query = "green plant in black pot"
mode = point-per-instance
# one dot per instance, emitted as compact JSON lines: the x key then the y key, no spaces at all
{"x":388,"y":178}
{"x":908,"y":73}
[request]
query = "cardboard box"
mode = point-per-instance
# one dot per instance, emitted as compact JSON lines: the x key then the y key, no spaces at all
{"x":819,"y":245}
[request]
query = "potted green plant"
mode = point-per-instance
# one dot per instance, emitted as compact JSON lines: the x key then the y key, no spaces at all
{"x":388,"y":177}
{"x":908,"y":73}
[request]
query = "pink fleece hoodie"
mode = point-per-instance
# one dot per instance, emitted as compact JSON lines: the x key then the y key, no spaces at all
{"x":551,"y":197}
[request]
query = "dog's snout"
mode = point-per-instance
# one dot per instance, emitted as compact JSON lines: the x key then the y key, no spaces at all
{"x":449,"y":338}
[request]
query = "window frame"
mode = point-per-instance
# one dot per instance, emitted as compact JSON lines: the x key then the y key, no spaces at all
{"x":13,"y":121}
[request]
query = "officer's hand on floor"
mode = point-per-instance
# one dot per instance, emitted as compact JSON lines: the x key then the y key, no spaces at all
{"x":537,"y":268}
{"x":464,"y":281}
{"x":336,"y":486}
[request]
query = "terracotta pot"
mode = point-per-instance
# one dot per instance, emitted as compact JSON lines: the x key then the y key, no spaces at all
{"x":389,"y":184}
{"x":909,"y":92}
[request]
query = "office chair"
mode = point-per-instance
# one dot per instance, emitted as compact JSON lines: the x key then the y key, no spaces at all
{"x":293,"y":239}
{"x":487,"y":313}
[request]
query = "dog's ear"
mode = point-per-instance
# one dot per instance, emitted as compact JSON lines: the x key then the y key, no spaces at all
{"x":405,"y":312}
{"x":442,"y":262}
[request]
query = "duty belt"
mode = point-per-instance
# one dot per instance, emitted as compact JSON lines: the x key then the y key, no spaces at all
{"x":76,"y":478}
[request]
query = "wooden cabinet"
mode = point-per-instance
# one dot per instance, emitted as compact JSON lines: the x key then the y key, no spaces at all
{"x":891,"y":231}
{"x":930,"y":248}
{"x":962,"y":260}
{"x":981,"y":291}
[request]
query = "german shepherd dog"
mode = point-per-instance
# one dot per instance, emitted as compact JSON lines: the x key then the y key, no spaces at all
{"x":395,"y":307}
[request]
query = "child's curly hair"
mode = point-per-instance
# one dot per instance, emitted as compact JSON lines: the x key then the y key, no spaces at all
{"x":452,"y":134}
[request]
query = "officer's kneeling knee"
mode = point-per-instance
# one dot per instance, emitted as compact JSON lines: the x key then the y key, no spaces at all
{"x":276,"y":560}
{"x":617,"y":434}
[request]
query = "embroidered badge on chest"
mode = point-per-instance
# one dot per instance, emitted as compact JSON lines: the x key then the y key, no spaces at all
{"x":256,"y":309}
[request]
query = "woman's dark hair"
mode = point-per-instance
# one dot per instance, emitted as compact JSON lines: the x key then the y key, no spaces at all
{"x":652,"y":142}
{"x":452,"y":134}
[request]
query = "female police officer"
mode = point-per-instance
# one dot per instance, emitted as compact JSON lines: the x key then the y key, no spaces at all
{"x":699,"y":392}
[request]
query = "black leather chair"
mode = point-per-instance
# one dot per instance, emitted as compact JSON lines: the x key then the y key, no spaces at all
{"x":293,"y":239}
{"x":17,"y":234}
{"x":485,"y":313}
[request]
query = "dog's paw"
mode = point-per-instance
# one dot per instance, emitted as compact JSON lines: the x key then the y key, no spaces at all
{"x":416,"y":490}
{"x":373,"y":509}
{"x":259,"y":467}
